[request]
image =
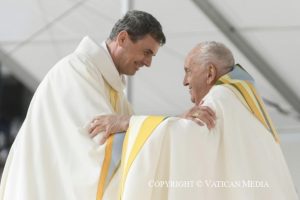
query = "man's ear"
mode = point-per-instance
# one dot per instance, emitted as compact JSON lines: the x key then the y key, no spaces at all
{"x":212,"y":74}
{"x":122,"y":37}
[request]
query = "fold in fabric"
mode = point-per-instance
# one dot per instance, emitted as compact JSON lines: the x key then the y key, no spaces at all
{"x":53,"y":156}
{"x":238,"y":159}
{"x":242,"y":84}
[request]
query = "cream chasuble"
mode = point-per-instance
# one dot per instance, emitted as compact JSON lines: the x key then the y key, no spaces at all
{"x":239,"y":159}
{"x":53,"y":157}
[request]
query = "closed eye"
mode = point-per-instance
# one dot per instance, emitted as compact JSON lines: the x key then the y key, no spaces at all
{"x":148,"y":52}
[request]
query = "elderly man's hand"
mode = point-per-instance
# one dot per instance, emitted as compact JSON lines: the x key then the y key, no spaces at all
{"x":201,"y":114}
{"x":109,"y":124}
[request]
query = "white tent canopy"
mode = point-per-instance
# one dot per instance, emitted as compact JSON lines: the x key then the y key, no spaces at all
{"x":35,"y":34}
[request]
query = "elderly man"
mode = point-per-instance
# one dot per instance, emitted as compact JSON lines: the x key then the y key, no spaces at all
{"x":240,"y":158}
{"x":52,"y":156}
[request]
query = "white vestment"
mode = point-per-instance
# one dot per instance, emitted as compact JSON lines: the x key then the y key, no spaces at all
{"x":52,"y":156}
{"x":237,"y":160}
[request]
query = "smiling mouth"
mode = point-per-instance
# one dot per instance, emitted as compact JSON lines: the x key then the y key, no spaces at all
{"x":138,"y":67}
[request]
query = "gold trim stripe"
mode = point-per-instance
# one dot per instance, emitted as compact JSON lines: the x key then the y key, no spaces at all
{"x":247,"y":93}
{"x":265,"y":114}
{"x":251,"y":101}
{"x":113,"y":97}
{"x":105,"y":167}
{"x":124,"y":150}
{"x":147,"y":128}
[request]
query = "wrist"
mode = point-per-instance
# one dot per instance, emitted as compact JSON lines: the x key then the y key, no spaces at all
{"x":126,"y":120}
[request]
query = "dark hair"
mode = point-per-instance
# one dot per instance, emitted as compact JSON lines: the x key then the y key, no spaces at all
{"x":138,"y":24}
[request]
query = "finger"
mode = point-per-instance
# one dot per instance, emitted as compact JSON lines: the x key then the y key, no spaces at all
{"x":93,"y":133}
{"x":96,"y":123}
{"x":91,"y":128}
{"x":211,"y":122}
{"x":207,"y":119}
{"x":96,"y":131}
{"x":205,"y":109}
{"x":190,"y":112}
{"x":93,"y":125}
{"x":94,"y":120}
{"x":99,"y":117}
{"x":209,"y":111}
{"x":198,"y":121}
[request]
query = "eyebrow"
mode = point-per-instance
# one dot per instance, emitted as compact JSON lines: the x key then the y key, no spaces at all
{"x":149,"y":50}
{"x":187,"y":68}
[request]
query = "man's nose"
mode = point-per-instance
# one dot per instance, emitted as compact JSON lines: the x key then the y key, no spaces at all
{"x":185,"y":81}
{"x":147,"y":61}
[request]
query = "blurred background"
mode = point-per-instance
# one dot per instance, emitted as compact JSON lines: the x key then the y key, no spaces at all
{"x":264,"y":36}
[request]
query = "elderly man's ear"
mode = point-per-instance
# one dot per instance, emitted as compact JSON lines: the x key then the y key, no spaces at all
{"x":211,"y":75}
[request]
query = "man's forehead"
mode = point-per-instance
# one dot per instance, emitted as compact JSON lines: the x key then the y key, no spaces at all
{"x":188,"y":62}
{"x":149,"y":43}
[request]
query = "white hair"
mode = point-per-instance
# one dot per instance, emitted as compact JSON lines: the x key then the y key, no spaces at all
{"x":215,"y":53}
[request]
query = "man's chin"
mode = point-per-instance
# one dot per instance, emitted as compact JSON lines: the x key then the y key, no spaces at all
{"x":133,"y":73}
{"x":130,"y":73}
